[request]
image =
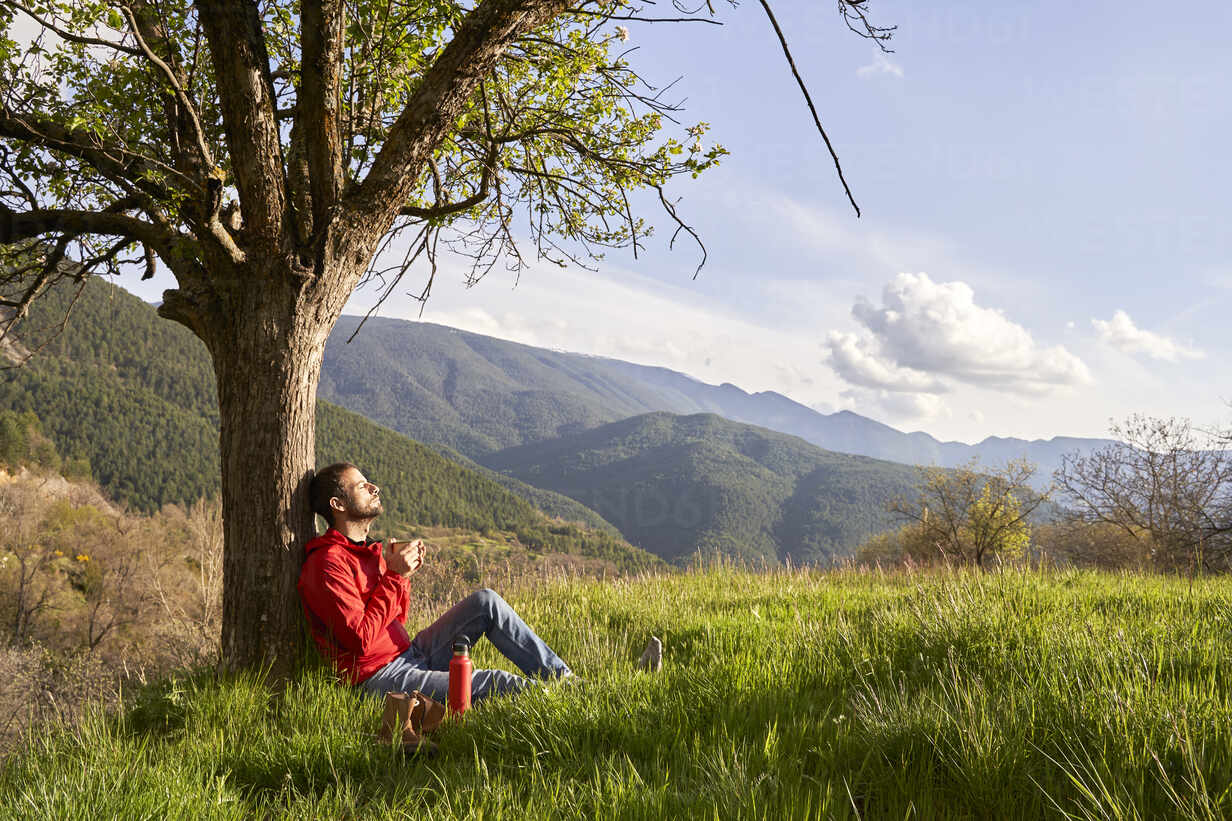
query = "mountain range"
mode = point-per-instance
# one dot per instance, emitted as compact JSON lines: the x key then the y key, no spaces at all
{"x":477,"y":394}
{"x":508,"y":428}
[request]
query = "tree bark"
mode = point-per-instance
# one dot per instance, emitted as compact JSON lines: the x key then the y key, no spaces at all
{"x":267,"y":353}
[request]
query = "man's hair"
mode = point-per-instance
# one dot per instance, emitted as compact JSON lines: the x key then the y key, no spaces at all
{"x":326,"y":485}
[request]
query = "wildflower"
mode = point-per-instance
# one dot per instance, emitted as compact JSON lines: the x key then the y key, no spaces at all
{"x":59,"y":552}
{"x":623,"y":33}
{"x":81,"y":557}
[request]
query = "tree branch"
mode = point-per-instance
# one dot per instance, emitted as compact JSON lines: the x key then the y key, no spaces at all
{"x":670,"y":207}
{"x":26,"y":193}
{"x":853,"y":11}
{"x":480,"y":39}
{"x":317,"y":103}
{"x":808,"y":99}
{"x":205,"y":155}
{"x":246,"y":97}
{"x":444,"y":209}
{"x":69,"y":36}
{"x":114,"y":161}
{"x":17,"y":226}
{"x":640,"y":19}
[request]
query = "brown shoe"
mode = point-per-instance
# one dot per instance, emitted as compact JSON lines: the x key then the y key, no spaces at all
{"x":427,"y":713}
{"x":652,"y":657}
{"x":396,"y":723}
{"x":393,"y":719}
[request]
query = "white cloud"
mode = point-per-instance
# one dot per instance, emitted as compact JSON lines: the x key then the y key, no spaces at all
{"x":1221,"y":279}
{"x":1121,"y":333}
{"x":881,"y":65}
{"x":937,"y":329}
{"x":774,"y":336}
{"x":913,"y":406}
{"x":894,"y":407}
{"x":827,"y":232}
{"x":858,"y":361}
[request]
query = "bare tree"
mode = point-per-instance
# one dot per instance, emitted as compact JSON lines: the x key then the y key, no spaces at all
{"x":969,"y":514}
{"x":191,"y":607}
{"x":206,"y":531}
{"x":1074,"y":540}
{"x":110,"y":584}
{"x":26,"y":564}
{"x":1165,"y":484}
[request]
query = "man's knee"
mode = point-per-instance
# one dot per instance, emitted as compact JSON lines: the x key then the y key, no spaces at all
{"x":487,"y":600}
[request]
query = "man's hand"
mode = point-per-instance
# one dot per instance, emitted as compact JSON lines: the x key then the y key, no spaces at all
{"x":404,"y":558}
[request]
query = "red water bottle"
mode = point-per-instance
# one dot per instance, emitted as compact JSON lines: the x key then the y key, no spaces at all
{"x":460,"y":678}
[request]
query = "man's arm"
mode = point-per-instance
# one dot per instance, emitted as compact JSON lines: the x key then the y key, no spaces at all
{"x":331,"y":594}
{"x":405,"y":558}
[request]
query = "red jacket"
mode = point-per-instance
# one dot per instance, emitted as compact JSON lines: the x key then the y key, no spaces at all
{"x":355,"y":605}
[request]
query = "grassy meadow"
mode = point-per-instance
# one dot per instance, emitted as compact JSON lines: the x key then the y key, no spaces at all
{"x":790,"y":694}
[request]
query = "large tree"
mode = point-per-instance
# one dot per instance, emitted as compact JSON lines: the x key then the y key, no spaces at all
{"x":266,"y":153}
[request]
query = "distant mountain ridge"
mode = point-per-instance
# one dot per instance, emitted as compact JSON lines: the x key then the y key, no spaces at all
{"x":675,"y":485}
{"x":478,"y":394}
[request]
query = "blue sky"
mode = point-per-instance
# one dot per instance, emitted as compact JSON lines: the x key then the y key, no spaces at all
{"x":1043,"y":247}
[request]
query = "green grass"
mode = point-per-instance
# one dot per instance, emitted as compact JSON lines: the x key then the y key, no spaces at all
{"x":787,"y":695}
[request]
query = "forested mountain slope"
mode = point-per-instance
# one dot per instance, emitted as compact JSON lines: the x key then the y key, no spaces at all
{"x":133,"y":394}
{"x":678,"y":484}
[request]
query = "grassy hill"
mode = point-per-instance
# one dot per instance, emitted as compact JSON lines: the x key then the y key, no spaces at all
{"x":678,"y":484}
{"x":133,"y":394}
{"x":783,"y":696}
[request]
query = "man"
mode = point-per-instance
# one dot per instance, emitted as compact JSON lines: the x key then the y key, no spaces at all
{"x":355,"y":595}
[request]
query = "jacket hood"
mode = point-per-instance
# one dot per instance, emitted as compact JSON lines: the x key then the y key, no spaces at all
{"x":333,"y":537}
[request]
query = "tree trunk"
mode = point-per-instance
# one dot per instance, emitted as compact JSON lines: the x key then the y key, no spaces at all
{"x":267,"y":360}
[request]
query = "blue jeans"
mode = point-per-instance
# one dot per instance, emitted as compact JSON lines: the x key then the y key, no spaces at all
{"x":424,"y":666}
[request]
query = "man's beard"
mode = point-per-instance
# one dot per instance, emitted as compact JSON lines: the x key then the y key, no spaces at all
{"x":356,"y":511}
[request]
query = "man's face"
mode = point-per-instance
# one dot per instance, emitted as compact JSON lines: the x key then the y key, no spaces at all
{"x":361,"y":499}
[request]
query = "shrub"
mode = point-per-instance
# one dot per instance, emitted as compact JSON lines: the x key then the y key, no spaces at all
{"x":1092,"y":544}
{"x":909,"y":545}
